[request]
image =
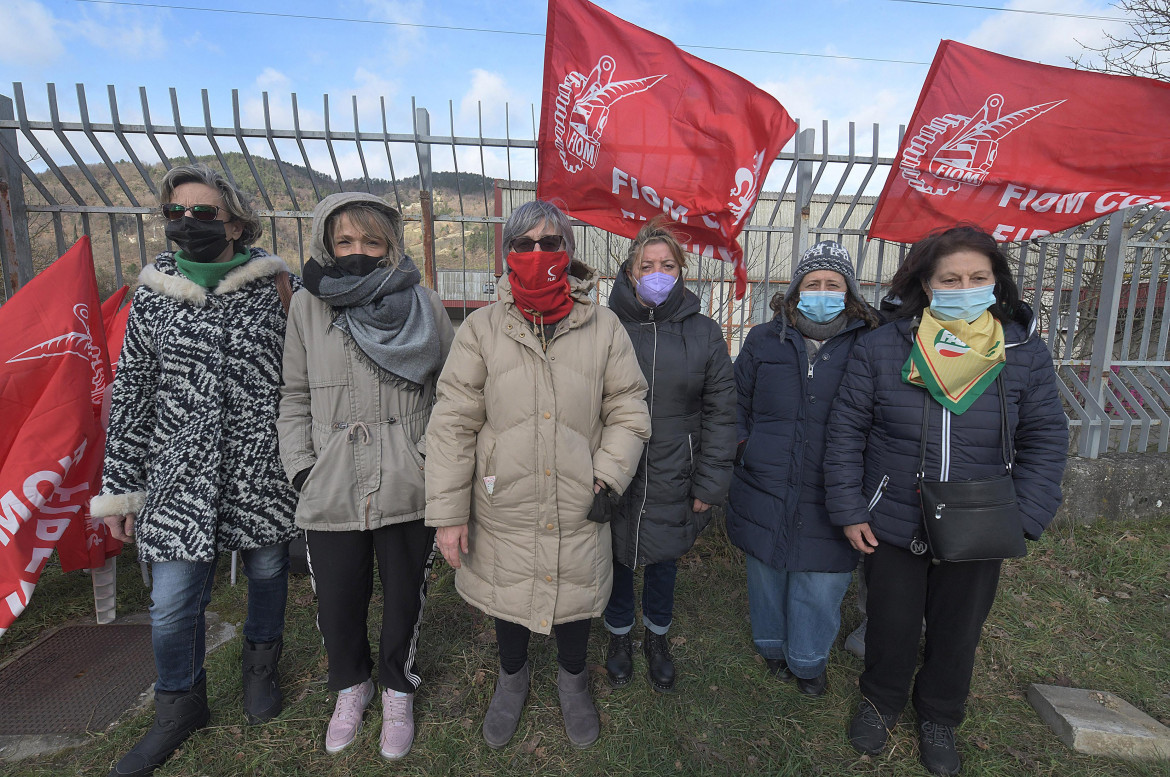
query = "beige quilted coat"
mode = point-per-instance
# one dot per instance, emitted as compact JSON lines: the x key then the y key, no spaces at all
{"x":516,"y":439}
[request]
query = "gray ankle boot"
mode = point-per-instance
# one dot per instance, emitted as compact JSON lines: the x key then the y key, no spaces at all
{"x":581,"y":721}
{"x":503,"y":713}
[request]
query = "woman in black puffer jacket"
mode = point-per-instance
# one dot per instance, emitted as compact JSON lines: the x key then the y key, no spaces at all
{"x":686,"y":467}
{"x":961,"y":337}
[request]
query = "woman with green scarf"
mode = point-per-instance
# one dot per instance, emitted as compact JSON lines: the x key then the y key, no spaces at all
{"x":963,"y":350}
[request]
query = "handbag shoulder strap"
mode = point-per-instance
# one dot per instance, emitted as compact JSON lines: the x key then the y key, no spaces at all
{"x":1007,"y":450}
{"x":284,"y":290}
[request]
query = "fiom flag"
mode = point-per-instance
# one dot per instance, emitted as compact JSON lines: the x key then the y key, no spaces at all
{"x":54,"y":378}
{"x":1024,"y":150}
{"x":632,"y":127}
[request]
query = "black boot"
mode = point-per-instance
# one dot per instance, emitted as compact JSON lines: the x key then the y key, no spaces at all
{"x":262,"y":697}
{"x":619,"y":661}
{"x":661,"y":665}
{"x":176,"y":717}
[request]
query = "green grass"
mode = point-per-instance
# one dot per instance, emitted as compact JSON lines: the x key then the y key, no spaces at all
{"x":727,"y":718}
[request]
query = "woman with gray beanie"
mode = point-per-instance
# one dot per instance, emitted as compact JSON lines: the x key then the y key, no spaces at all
{"x":798,"y":564}
{"x":365,"y":345}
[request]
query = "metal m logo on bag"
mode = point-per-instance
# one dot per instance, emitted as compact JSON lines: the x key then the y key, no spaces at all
{"x":583,"y":105}
{"x":954,"y":150}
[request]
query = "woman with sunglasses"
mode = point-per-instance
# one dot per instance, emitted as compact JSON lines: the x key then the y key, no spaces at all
{"x":540,"y":415}
{"x":364,"y":347}
{"x":687,"y":465}
{"x":191,"y":466}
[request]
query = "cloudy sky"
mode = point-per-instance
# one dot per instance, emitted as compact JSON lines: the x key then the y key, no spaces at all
{"x":464,"y":60}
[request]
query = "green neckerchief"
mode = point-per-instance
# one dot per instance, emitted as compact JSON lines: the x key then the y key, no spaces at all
{"x":208,"y":274}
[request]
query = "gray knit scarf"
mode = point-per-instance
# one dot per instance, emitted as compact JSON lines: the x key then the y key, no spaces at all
{"x":816,"y":334}
{"x":386,"y":315}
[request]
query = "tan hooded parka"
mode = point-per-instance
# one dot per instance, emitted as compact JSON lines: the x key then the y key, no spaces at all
{"x":359,"y":435}
{"x":518,"y":436}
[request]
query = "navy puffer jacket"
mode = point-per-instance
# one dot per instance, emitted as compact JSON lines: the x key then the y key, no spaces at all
{"x":692,"y":414}
{"x":776,"y":508}
{"x":871,"y":460}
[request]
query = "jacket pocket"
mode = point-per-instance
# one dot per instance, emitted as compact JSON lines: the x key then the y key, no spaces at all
{"x":878,"y":493}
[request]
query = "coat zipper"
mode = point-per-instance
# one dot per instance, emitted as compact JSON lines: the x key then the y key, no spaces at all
{"x":646,"y":452}
{"x":877,"y":494}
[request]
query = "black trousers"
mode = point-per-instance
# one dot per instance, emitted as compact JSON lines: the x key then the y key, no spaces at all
{"x":572,"y":644}
{"x":955,"y":598}
{"x":342,"y":566}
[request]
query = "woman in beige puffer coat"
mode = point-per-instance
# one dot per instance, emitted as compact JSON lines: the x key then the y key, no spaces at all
{"x":541,"y":411}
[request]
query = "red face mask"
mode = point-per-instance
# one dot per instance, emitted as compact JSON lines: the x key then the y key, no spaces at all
{"x":540,"y":285}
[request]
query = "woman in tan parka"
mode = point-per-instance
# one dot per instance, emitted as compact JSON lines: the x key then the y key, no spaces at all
{"x":541,"y":412}
{"x":364,"y":347}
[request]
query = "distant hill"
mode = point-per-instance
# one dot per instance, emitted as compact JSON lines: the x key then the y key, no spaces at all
{"x":456,"y":246}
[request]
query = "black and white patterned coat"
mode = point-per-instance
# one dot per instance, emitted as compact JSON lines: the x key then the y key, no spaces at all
{"x":192,"y":446}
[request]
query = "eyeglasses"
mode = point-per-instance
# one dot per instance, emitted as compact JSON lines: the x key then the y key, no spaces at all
{"x":173,"y":211}
{"x":524,"y":245}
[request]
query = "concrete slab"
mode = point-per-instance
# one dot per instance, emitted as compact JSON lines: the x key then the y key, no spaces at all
{"x":15,"y":748}
{"x":1100,"y":723}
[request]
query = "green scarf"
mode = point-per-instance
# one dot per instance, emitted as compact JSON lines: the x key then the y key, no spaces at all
{"x":955,"y":361}
{"x":208,"y":274}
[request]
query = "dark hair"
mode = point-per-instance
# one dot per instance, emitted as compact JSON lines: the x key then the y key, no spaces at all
{"x":920,"y":264}
{"x":854,"y":307}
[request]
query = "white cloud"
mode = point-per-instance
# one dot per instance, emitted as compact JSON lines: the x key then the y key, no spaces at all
{"x":403,"y":43}
{"x":1048,"y":39}
{"x":486,"y":97}
{"x":29,"y":34}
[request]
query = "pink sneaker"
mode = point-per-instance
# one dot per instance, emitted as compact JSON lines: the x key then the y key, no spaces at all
{"x":397,"y":724}
{"x":347,"y":716}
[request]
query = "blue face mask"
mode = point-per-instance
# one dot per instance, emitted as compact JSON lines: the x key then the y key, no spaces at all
{"x":654,"y":287}
{"x":965,"y":304}
{"x":821,"y":306}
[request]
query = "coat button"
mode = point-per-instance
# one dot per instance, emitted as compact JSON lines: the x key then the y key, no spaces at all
{"x":543,"y":624}
{"x":548,"y":415}
{"x":552,"y":358}
{"x":548,"y":526}
{"x":812,"y":400}
{"x":548,"y":472}
{"x":509,"y":326}
{"x":548,"y":578}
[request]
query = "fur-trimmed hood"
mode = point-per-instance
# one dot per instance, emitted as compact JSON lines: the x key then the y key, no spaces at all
{"x":163,"y":276}
{"x":326,"y":208}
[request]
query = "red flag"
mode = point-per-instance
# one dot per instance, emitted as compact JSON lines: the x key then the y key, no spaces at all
{"x":115,"y":324}
{"x":632,"y":127}
{"x":54,"y":376}
{"x":1024,"y":150}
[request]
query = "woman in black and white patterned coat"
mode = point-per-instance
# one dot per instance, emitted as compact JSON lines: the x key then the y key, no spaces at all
{"x":192,"y":468}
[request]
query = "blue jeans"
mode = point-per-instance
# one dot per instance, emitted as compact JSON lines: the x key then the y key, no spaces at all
{"x":179,"y":598}
{"x":795,"y":615}
{"x":657,"y":598}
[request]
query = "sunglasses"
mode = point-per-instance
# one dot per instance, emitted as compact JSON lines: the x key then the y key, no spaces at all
{"x":172,"y":211}
{"x":524,"y":245}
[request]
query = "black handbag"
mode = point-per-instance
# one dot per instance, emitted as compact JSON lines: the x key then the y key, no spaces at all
{"x":972,"y":520}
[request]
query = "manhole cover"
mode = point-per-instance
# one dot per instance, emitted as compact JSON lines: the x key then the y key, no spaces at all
{"x":77,"y":679}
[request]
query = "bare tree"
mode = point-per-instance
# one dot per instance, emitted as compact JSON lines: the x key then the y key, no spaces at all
{"x":1143,"y":50}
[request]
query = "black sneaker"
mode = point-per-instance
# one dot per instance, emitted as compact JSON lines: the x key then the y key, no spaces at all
{"x":815,"y":686}
{"x":936,"y":748}
{"x":778,"y":668}
{"x":869,"y":729}
{"x":619,"y":660}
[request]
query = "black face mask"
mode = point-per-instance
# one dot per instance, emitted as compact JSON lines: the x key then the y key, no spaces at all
{"x":201,"y":241}
{"x":358,"y":264}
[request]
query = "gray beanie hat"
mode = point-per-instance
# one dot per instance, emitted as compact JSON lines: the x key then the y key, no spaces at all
{"x":825,"y":255}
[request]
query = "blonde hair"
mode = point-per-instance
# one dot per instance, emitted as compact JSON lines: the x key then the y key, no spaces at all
{"x":372,"y":221}
{"x":657,"y":230}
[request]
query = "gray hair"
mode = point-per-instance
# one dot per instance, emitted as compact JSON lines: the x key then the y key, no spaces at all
{"x":235,"y":201}
{"x":531,"y":215}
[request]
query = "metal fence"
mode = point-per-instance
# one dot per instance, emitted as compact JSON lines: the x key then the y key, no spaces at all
{"x":68,"y":168}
